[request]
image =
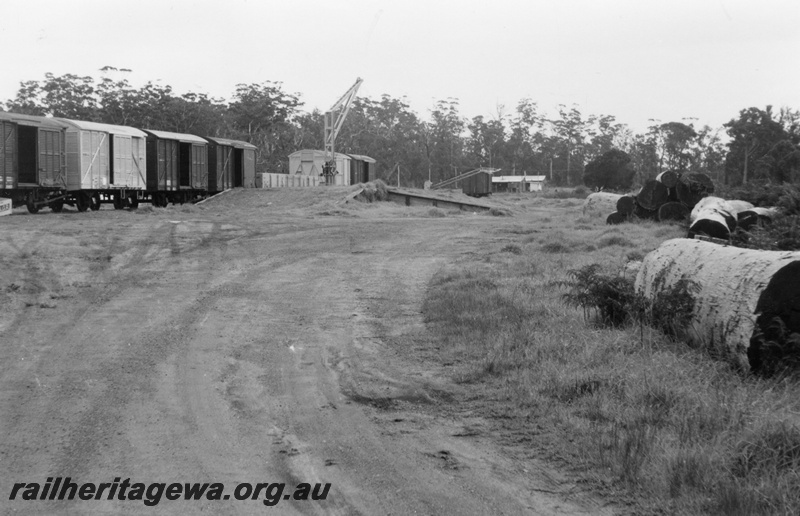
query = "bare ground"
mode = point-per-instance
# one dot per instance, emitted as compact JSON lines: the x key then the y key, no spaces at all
{"x":262,"y":336}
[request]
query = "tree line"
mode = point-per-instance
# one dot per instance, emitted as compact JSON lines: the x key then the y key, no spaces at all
{"x":569,"y":148}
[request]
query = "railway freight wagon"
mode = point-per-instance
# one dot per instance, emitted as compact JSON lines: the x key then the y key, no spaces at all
{"x":220,"y":163}
{"x":33,"y":168}
{"x":362,"y":169}
{"x":177,"y":167}
{"x":478,"y":185}
{"x":106,"y":164}
{"x":244,"y":164}
{"x":231,"y":163}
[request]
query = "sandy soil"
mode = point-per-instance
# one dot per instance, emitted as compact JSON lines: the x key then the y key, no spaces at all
{"x":262,"y":336}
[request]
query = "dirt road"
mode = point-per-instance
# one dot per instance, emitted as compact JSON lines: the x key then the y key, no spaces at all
{"x":262,"y":337}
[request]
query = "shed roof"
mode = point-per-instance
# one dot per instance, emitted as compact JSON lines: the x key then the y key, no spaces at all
{"x":238,"y":144}
{"x":518,"y":179}
{"x":40,"y":121}
{"x":181,"y":137}
{"x":315,"y":154}
{"x":103,"y":128}
{"x":362,"y":158}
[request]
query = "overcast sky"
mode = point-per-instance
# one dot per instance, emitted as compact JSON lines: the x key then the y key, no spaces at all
{"x":634,"y":59}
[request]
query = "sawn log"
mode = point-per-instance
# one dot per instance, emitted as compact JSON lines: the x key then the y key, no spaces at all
{"x":736,"y":287}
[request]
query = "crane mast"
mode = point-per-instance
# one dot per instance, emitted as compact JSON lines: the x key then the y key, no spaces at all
{"x":334,"y":119}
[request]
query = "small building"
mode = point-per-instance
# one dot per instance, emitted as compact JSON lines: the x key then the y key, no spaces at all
{"x":517,"y":183}
{"x":350,"y":169}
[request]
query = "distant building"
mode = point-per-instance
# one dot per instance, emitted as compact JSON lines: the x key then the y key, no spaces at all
{"x":517,"y":183}
{"x":350,"y":168}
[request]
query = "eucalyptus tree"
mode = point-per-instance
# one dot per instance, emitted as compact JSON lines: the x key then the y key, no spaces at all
{"x":444,"y":140}
{"x":753,"y":148}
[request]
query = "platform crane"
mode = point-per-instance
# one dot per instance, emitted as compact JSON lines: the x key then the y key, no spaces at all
{"x":334,"y":118}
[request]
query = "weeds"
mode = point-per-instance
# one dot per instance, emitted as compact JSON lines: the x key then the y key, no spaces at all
{"x":615,"y":304}
{"x":611,"y":298}
{"x":580,"y":192}
{"x":634,"y":409}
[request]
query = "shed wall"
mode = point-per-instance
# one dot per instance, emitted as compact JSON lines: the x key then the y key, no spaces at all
{"x":309,"y":162}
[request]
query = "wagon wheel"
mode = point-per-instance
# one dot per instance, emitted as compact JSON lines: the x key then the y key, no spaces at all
{"x":31,"y":203}
{"x":133,"y":201}
{"x":57,"y":205}
{"x":119,"y":201}
{"x":94,"y":202}
{"x":82,"y":201}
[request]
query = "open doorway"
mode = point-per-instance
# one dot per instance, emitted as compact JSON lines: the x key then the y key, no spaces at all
{"x":238,"y":168}
{"x":27,"y":154}
{"x":185,"y":165}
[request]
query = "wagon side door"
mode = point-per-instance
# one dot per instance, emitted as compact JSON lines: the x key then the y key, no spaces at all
{"x":52,"y":159}
{"x":8,"y":155}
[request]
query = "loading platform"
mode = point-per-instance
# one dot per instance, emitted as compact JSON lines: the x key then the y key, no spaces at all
{"x":439,"y":199}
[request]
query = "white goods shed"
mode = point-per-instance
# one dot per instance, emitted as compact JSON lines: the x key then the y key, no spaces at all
{"x":517,"y":183}
{"x":309,"y":162}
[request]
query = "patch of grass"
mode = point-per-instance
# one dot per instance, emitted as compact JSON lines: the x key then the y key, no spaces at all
{"x":556,"y":247}
{"x":615,"y":240}
{"x":511,"y":248}
{"x":635,"y":256}
{"x":579,"y":192}
{"x":631,"y":406}
{"x":500,"y":212}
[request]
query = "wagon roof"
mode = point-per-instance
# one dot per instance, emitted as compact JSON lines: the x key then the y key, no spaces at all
{"x":233,"y":143}
{"x":40,"y":121}
{"x":166,"y":135}
{"x":103,"y":128}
